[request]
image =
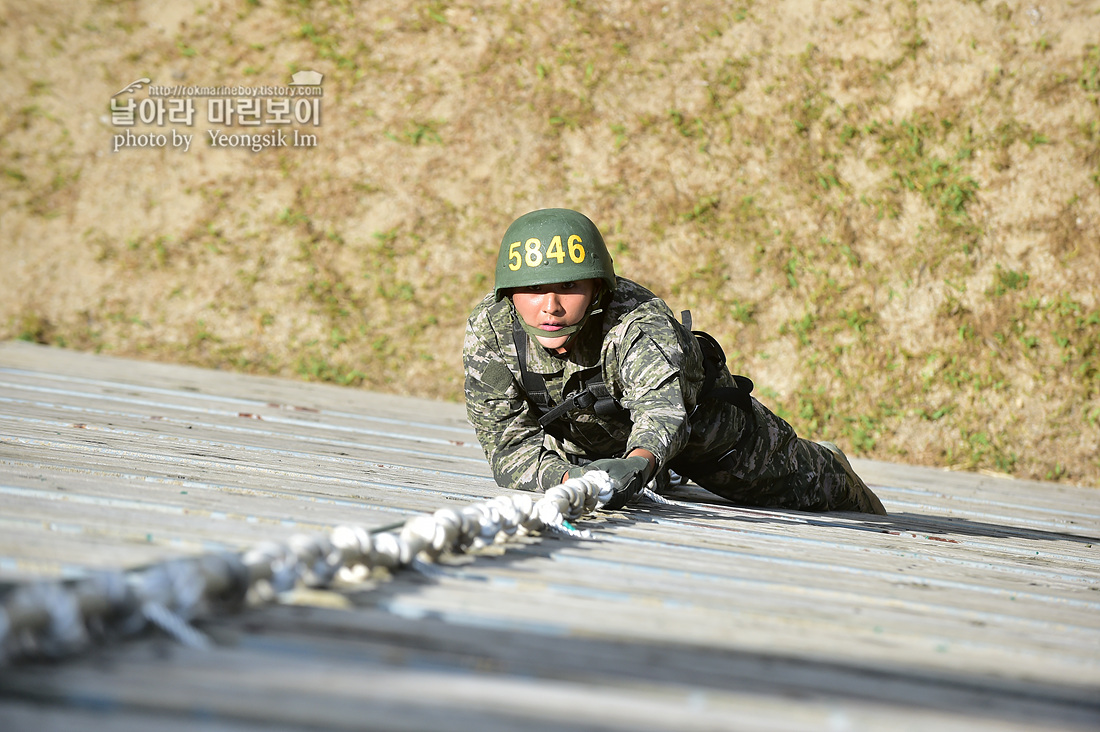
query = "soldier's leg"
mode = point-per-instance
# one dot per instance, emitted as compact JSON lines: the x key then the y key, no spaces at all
{"x":776,"y":468}
{"x":853,"y":491}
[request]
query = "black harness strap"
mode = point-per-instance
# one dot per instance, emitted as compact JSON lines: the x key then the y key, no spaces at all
{"x":533,"y":384}
{"x":714,"y":358}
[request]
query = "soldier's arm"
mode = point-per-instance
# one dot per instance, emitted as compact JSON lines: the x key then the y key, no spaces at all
{"x":506,"y":428}
{"x":650,"y":362}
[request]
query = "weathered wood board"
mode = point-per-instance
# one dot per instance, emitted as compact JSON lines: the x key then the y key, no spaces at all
{"x":974,"y":605}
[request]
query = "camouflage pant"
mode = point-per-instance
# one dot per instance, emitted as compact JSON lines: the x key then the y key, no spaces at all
{"x":775,"y":468}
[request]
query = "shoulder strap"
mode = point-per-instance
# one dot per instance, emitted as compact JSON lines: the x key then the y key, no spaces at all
{"x":533,"y":384}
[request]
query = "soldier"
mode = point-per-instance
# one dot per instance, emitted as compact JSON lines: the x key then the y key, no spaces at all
{"x":570,"y":368}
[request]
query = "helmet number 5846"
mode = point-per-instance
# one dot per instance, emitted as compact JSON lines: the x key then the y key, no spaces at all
{"x":533,"y":255}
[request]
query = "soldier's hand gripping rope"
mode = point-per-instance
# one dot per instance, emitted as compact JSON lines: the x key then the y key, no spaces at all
{"x":628,"y":477}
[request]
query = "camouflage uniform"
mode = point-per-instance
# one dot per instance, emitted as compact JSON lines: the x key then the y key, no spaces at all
{"x":653,"y":366}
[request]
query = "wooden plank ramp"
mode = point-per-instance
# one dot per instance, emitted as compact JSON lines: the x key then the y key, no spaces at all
{"x":974,"y":605}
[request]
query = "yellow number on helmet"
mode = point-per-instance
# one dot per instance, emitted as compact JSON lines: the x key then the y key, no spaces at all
{"x":556,"y":251}
{"x":533,"y":257}
{"x":576,"y":251}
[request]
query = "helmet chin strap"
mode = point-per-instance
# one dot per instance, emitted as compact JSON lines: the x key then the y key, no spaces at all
{"x":569,"y":330}
{"x":595,"y":308}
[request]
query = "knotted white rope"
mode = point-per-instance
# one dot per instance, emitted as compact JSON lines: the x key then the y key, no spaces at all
{"x":60,"y":618}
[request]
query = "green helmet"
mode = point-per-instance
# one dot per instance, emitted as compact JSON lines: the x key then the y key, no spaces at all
{"x":552,"y":245}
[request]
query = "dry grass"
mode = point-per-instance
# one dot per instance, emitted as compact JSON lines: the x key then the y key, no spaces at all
{"x":888,"y":212}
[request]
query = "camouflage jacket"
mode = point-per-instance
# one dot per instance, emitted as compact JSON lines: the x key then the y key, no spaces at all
{"x":650,"y":362}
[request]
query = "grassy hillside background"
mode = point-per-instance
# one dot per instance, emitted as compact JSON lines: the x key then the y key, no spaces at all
{"x":888,"y":211}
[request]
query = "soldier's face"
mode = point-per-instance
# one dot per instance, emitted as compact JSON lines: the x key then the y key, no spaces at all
{"x":553,"y":307}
